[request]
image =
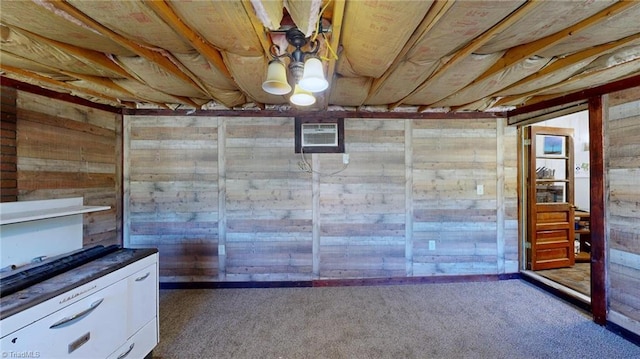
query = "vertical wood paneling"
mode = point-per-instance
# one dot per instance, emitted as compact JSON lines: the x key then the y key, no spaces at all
{"x":70,"y":150}
{"x":510,"y":199}
{"x":408,"y":193}
{"x":268,"y":204}
{"x":277,"y":221}
{"x":450,"y":159}
{"x":315,"y":207}
{"x":8,"y":153}
{"x":500,"y":195}
{"x":363,"y":207}
{"x":173,"y":193}
{"x":222,"y":199}
{"x":623,"y":206}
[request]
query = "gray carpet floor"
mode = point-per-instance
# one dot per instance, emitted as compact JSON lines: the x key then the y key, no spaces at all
{"x":504,"y":319}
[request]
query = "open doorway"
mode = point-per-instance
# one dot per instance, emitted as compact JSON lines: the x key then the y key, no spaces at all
{"x":555,"y":191}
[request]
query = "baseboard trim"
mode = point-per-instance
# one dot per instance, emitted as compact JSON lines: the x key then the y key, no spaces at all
{"x":223,"y":285}
{"x":623,"y":332}
{"x":341,"y":282}
{"x":413,"y":280}
{"x":568,"y":295}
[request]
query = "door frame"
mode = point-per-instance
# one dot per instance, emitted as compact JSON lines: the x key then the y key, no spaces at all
{"x":539,"y":225}
{"x":597,"y":114}
{"x":596,"y":107}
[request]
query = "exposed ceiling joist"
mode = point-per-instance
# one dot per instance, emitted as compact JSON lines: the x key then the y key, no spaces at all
{"x":334,"y":43}
{"x":157,"y":57}
{"x":525,"y":51}
{"x":99,"y":59}
{"x":55,"y":83}
{"x":471,"y":47}
{"x":457,"y":55}
{"x":436,"y":12}
{"x":258,"y":27}
{"x":567,"y":62}
{"x":166,"y":13}
{"x":522,"y":98}
{"x":265,"y":43}
{"x":101,"y":81}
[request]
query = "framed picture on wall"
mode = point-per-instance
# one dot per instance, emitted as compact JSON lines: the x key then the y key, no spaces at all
{"x":553,"y":145}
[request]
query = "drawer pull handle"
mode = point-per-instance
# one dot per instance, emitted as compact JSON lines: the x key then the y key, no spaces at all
{"x":71,"y":319}
{"x":140,"y":279}
{"x":127,"y":352}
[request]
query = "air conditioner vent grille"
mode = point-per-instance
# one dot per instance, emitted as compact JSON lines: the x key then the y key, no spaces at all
{"x":316,"y":134}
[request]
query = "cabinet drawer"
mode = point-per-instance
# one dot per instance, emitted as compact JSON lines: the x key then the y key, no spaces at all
{"x":140,"y":344}
{"x":86,"y":329}
{"x":143,"y":286}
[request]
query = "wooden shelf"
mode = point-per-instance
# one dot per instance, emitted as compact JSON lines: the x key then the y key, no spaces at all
{"x":41,"y":228}
{"x":550,"y":180}
{"x":552,"y":157}
{"x":34,"y":215}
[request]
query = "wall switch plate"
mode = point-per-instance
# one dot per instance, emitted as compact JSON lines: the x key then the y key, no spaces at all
{"x":345,"y":158}
{"x":432,"y":245}
{"x":480,"y":189}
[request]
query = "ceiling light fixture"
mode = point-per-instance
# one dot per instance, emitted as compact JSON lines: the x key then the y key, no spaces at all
{"x":308,"y":75}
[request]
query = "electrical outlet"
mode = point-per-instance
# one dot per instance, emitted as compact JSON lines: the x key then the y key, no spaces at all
{"x":345,"y":158}
{"x":432,"y":245}
{"x":480,"y":189}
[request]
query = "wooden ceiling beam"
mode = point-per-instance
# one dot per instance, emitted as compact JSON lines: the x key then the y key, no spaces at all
{"x":108,"y":83}
{"x":99,"y":59}
{"x":265,"y":43}
{"x":435,"y":13}
{"x":567,"y":62}
{"x":101,"y":81}
{"x":576,"y":78}
{"x":522,"y":52}
{"x":166,"y":13}
{"x":336,"y":31}
{"x":472,"y":46}
{"x":625,"y":83}
{"x":60,"y":84}
{"x":156,"y":56}
{"x":258,"y":27}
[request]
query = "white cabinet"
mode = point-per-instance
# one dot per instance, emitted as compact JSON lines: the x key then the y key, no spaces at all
{"x":140,"y":312}
{"x":86,"y":329}
{"x":103,"y":318}
{"x":107,"y":308}
{"x":140,"y":344}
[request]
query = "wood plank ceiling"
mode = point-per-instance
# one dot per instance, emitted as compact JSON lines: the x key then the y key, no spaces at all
{"x":378,"y":55}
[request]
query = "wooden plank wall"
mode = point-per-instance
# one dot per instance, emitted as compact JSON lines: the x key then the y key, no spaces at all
{"x":236,"y":205}
{"x":9,"y":172}
{"x":455,"y":228}
{"x":69,"y":150}
{"x":171,"y":192}
{"x":268,"y":202}
{"x":622,"y":131}
{"x":362,"y":209}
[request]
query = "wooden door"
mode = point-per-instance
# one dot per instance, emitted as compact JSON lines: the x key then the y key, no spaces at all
{"x":550,"y":208}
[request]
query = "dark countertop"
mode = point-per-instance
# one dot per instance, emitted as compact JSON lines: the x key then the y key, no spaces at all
{"x":45,"y":290}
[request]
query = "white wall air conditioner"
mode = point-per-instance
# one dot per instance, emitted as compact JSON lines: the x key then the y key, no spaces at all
{"x":319,"y":134}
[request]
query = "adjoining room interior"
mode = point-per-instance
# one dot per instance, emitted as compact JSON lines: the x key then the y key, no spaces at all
{"x":577,"y":275}
{"x":159,"y":153}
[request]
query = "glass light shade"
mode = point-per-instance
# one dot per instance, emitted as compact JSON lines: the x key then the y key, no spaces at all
{"x":302,"y":97}
{"x":276,"y":82}
{"x":313,"y":76}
